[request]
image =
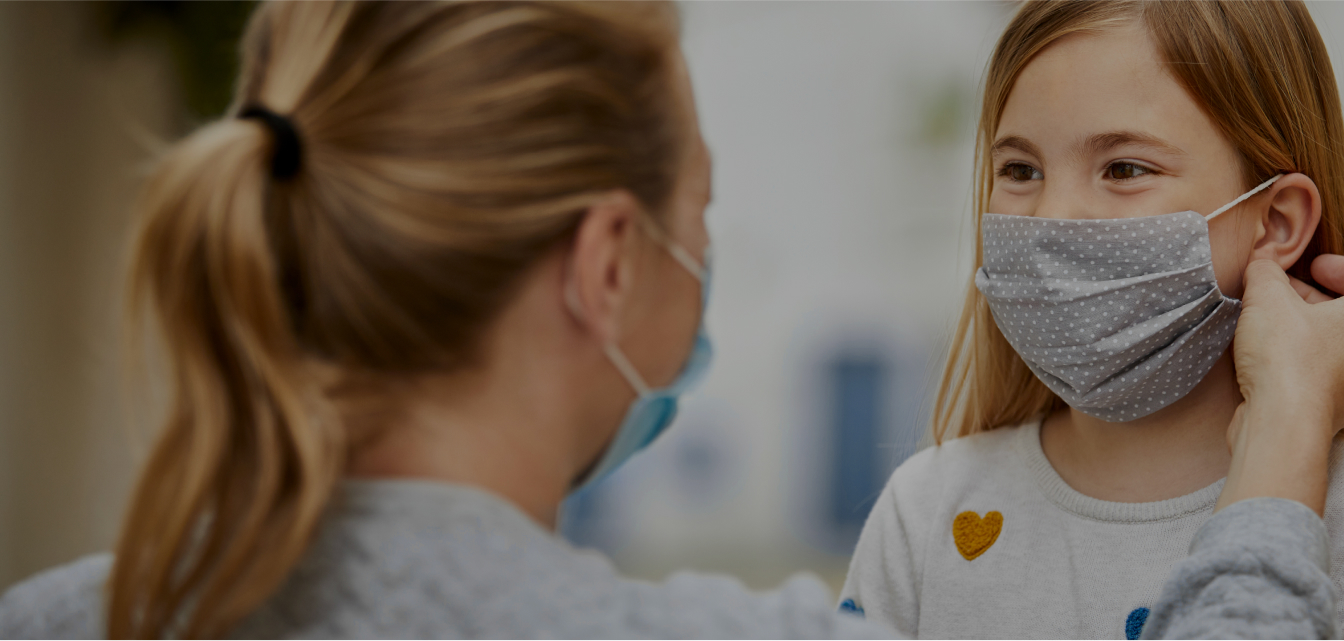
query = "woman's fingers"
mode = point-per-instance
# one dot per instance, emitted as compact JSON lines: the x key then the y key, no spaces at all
{"x":1307,"y":292}
{"x":1283,"y":344}
{"x":1265,"y":283}
{"x":1328,"y":270}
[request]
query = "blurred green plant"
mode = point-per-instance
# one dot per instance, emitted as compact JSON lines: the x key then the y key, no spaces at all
{"x":943,"y":112}
{"x":201,"y":37}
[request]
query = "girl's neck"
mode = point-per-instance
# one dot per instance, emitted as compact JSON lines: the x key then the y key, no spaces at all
{"x":1170,"y":453}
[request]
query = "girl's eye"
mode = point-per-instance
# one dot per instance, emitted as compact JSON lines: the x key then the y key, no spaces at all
{"x":1126,"y":170}
{"x":1019,"y":172}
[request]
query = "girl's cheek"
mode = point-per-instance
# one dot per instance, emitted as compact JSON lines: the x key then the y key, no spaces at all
{"x":1003,"y":200}
{"x":1231,"y":242}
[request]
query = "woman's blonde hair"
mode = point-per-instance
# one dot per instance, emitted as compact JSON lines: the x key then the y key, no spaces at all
{"x":445,"y":147}
{"x":1261,"y":73}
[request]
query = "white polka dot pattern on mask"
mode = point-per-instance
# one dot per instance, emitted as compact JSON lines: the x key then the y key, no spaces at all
{"x":1118,"y":317}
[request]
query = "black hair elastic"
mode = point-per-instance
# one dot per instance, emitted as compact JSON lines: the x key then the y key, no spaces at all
{"x":287,"y":154}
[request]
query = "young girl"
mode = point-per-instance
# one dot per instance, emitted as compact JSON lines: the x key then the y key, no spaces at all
{"x":1090,"y":386}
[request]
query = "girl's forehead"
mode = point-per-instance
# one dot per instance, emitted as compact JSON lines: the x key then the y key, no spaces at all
{"x":1092,"y":83}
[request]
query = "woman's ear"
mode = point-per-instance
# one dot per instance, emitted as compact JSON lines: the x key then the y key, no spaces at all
{"x":1286,"y":225}
{"x":601,"y":269}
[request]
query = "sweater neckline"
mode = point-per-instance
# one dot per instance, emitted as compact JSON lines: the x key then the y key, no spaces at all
{"x":431,"y":504}
{"x":1058,"y":491}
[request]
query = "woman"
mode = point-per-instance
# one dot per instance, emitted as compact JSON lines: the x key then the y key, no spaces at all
{"x":445,"y":265}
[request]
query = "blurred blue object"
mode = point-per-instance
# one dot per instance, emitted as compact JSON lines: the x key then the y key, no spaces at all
{"x":700,"y":465}
{"x":858,"y":409}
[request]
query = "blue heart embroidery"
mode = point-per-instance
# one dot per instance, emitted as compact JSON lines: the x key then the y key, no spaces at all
{"x":848,"y":605}
{"x":1134,"y":624}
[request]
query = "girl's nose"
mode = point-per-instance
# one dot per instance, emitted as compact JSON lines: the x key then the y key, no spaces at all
{"x":1057,"y":202}
{"x":1063,"y":199}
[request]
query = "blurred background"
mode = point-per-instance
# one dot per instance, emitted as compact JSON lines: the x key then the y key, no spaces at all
{"x":842,"y":137}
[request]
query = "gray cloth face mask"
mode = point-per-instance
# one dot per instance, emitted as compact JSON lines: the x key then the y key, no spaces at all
{"x":1119,"y":317}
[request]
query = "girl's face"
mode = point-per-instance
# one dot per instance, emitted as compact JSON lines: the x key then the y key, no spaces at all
{"x":1095,"y":127}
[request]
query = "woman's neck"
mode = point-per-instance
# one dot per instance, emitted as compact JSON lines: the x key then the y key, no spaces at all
{"x":1170,"y":453}
{"x":519,"y":425}
{"x":481,"y":439}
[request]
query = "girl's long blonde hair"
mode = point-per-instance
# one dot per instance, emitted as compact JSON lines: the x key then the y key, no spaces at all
{"x":445,"y":147}
{"x":1261,"y":73}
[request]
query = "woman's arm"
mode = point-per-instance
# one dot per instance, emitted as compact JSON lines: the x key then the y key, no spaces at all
{"x":1258,"y":570}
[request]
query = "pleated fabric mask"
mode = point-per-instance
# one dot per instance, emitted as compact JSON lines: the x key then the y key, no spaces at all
{"x":1119,"y":317}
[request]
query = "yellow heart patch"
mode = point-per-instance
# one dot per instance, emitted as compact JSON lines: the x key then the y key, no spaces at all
{"x":974,"y":535}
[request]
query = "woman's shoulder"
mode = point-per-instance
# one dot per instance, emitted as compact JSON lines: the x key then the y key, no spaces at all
{"x":65,"y":602}
{"x":402,"y":559}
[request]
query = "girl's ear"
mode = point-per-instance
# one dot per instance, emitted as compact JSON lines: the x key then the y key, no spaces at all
{"x":1287,"y":224}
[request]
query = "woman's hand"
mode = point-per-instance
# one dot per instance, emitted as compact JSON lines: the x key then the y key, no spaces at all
{"x":1289,"y":347}
{"x":1289,"y":353}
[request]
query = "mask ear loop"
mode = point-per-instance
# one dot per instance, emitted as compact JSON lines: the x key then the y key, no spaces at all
{"x":1242,"y":198}
{"x":627,"y":369}
{"x":684,"y":257}
{"x":679,"y":253}
{"x":623,"y":364}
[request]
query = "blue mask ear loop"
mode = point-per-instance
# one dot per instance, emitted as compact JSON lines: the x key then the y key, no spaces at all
{"x":1242,"y":198}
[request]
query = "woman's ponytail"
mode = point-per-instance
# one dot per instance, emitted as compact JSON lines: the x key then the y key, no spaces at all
{"x":428,"y":155}
{"x":245,"y":461}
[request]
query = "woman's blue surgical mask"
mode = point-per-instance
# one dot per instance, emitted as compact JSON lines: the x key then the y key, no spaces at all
{"x":1119,"y":317}
{"x":654,"y":409}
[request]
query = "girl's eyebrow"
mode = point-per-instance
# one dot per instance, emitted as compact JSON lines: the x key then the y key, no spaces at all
{"x":1096,"y":144}
{"x":1015,"y":142}
{"x":1102,"y":143}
